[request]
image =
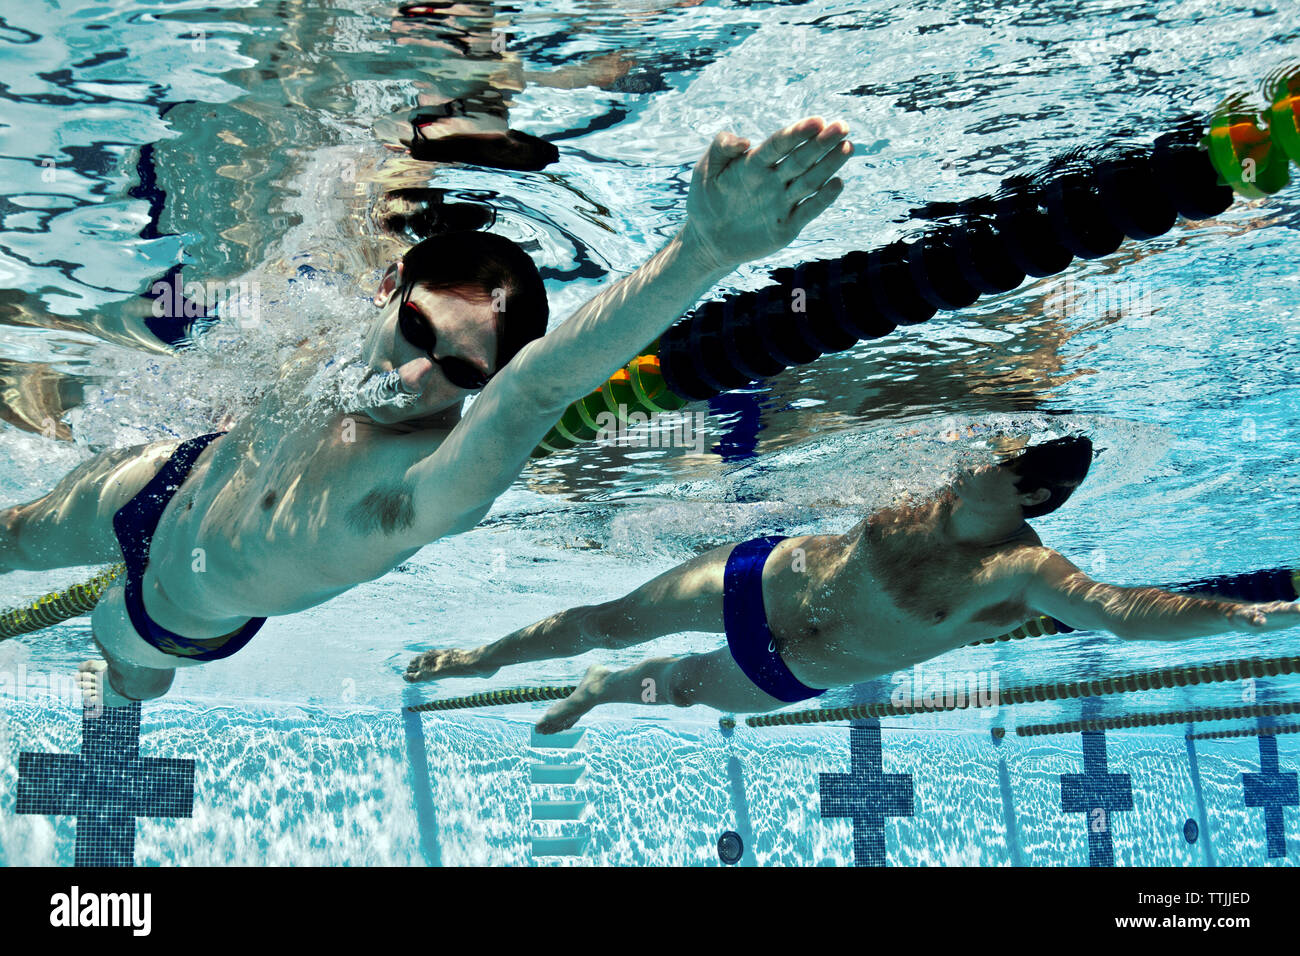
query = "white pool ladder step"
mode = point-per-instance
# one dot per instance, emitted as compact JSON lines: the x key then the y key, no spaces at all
{"x":558,"y":809}
{"x":553,"y":773}
{"x":564,"y":740}
{"x":567,"y":809}
{"x":559,"y":846}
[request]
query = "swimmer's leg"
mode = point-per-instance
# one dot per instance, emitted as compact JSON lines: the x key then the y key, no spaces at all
{"x":73,"y":524}
{"x":711,"y":679}
{"x":686,"y":598}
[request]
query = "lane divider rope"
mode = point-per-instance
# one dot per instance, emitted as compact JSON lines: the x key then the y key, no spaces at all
{"x":1202,"y":715}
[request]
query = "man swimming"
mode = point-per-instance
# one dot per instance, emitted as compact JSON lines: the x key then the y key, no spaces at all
{"x":290,"y":508}
{"x":906,"y":584}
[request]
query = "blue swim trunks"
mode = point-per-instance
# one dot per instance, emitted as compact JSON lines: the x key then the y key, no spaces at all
{"x":135,"y":524}
{"x":748,"y":637}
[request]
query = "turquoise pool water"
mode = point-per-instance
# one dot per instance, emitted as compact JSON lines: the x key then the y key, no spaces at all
{"x":240,"y":140}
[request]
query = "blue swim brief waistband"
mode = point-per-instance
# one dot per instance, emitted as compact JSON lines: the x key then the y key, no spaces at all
{"x":749,"y":638}
{"x":135,"y":524}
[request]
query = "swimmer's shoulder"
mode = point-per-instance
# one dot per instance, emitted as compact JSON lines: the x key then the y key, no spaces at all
{"x":1021,"y":559}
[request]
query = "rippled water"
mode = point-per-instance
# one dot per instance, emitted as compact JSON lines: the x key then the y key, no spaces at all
{"x":292,"y":788}
{"x":241,"y":141}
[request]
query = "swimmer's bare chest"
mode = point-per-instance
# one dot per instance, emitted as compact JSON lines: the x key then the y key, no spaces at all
{"x":272,"y":521}
{"x":890,"y":603}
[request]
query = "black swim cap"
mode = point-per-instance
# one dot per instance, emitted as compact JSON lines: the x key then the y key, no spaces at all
{"x":1059,"y":466}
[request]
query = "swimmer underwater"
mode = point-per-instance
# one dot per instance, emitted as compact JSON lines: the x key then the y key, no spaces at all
{"x":904,"y":585}
{"x":288,"y":513}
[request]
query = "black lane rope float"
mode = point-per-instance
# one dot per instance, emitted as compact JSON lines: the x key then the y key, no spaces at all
{"x":1247,"y":732}
{"x":491,"y":698}
{"x":1032,"y":227}
{"x":1081,"y":205}
{"x":1203,"y":715}
{"x":1132,"y":682}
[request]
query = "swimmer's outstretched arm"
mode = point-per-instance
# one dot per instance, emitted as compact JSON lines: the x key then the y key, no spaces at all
{"x":743,"y":204}
{"x":1059,"y":589}
{"x":566,"y":633}
{"x":685,"y":598}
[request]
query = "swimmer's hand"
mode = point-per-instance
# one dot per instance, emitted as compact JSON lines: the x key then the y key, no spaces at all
{"x":748,"y":203}
{"x":452,"y":662}
{"x":1274,"y":616}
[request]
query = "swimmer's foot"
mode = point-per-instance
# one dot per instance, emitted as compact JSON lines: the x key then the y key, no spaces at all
{"x":451,"y":662}
{"x":569,"y":711}
{"x":96,"y":692}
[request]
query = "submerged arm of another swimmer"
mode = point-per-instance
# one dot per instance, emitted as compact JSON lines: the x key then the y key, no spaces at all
{"x":743,"y":204}
{"x":1059,"y":589}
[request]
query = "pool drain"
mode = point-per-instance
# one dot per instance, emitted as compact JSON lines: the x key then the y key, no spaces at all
{"x":730,"y":848}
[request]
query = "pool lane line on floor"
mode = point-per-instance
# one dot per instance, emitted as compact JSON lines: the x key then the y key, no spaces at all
{"x":417,"y":758}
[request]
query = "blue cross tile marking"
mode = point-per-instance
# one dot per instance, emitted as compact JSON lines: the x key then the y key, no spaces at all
{"x":106,"y":786}
{"x":1096,"y":790}
{"x":1272,"y":790}
{"x":867,"y":795}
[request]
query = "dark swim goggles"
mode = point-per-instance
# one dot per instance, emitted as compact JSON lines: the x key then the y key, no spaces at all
{"x":415,"y":328}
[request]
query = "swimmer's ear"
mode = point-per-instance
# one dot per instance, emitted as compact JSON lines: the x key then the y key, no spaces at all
{"x":388,"y":284}
{"x":1035,"y":497}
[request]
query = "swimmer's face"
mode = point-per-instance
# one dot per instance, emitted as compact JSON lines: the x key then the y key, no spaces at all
{"x":464,"y":328}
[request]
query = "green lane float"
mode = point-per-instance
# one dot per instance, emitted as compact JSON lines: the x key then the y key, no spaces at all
{"x":1284,"y":114}
{"x":57,"y":606}
{"x":1244,"y":154}
{"x":637,"y":389}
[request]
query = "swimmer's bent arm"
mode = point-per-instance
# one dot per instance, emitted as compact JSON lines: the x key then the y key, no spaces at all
{"x":1059,"y":589}
{"x":743,"y":204}
{"x":486,"y":450}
